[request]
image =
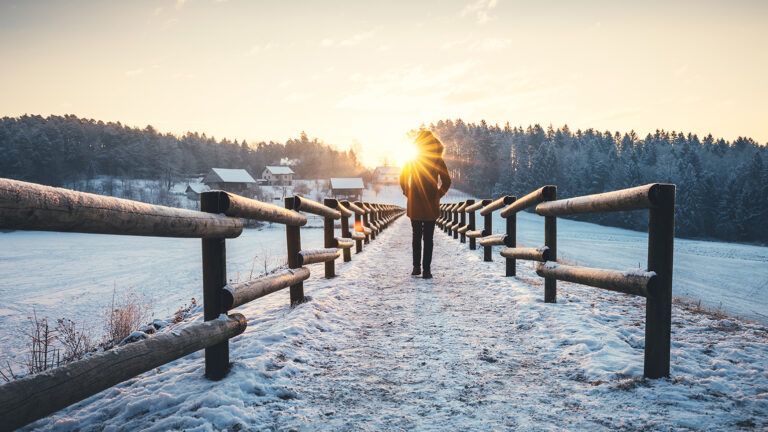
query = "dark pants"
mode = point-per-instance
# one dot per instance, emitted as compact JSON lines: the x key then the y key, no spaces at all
{"x":422,"y":230}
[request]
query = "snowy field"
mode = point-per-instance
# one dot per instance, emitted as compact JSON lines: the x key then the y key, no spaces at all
{"x":376,"y":349}
{"x":730,"y":277}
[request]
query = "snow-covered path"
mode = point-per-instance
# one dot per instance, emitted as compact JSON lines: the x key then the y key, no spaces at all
{"x":376,"y":349}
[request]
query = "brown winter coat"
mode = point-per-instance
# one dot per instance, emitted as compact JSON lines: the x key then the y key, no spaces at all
{"x":425,"y":180}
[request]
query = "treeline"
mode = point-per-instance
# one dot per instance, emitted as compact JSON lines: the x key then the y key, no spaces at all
{"x":722,"y":186}
{"x":60,"y":150}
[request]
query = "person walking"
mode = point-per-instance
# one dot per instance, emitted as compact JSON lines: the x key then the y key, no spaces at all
{"x":424,"y":181}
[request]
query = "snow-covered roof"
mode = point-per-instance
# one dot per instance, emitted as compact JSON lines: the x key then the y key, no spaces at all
{"x":279,"y":169}
{"x":198,"y":188}
{"x":233,"y":175}
{"x":347,"y":183}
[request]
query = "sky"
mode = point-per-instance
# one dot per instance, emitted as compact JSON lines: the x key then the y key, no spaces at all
{"x":360,"y":74}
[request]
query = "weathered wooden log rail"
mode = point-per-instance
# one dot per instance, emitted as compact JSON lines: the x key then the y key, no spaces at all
{"x":654,"y":283}
{"x":29,"y":206}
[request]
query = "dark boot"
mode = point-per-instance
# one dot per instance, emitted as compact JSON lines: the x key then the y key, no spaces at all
{"x":416,"y":271}
{"x":427,"y":274}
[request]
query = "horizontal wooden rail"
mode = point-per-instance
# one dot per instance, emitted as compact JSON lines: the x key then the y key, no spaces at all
{"x":357,"y":235}
{"x":239,"y":294}
{"x":340,"y":207}
{"x":314,"y":256}
{"x":344,"y":242}
{"x":635,"y":283}
{"x":354,"y":207}
{"x":474,"y":207}
{"x":475,"y":234}
{"x":544,"y":193}
{"x":636,"y":198}
{"x":314,"y":207}
{"x":30,"y":206}
{"x":530,"y":254}
{"x":463,"y":229}
{"x":493,"y":240}
{"x":497,"y":204}
{"x":247,"y":208}
{"x":31,"y":398}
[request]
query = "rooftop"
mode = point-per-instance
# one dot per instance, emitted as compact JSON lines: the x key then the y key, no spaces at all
{"x":279,"y":169}
{"x":233,"y":175}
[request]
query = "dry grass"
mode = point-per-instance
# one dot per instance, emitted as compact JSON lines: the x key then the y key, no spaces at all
{"x":124,"y":315}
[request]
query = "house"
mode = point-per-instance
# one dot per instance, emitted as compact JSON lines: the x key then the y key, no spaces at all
{"x":231,"y":180}
{"x":350,"y":188}
{"x":386,"y":175}
{"x":194,"y":190}
{"x":278,"y":175}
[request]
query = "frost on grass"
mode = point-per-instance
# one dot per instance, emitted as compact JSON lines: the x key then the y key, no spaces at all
{"x":377,"y":349}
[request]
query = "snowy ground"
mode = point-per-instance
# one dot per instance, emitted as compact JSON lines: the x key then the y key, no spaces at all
{"x":376,"y":349}
{"x":71,"y":275}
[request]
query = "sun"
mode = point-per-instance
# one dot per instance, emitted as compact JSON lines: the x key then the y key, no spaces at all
{"x":404,"y":152}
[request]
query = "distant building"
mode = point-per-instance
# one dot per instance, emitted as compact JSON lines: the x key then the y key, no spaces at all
{"x":278,"y":175}
{"x":386,"y":175}
{"x":350,"y":188}
{"x":194,"y":190}
{"x":231,"y":180}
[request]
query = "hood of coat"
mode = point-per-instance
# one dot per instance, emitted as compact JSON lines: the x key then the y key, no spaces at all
{"x":428,"y":145}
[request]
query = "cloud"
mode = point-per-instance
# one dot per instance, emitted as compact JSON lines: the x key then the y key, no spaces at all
{"x":256,"y":49}
{"x":492,"y":44}
{"x":353,"y":40}
{"x":480,"y":9}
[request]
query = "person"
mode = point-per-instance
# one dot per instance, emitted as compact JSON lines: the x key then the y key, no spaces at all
{"x":424,"y":181}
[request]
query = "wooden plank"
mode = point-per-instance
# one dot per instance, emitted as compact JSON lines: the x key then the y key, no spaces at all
{"x":314,"y":207}
{"x":314,"y":256}
{"x":635,"y":283}
{"x":636,"y":198}
{"x":244,"y":292}
{"x":658,"y":308}
{"x":493,"y":240}
{"x":247,"y":208}
{"x":475,"y":234}
{"x":541,"y":194}
{"x":531,"y":254}
{"x":29,"y":206}
{"x":353,"y":207}
{"x":497,"y":204}
{"x":475,"y":206}
{"x":344,"y":243}
{"x":33,"y":397}
{"x":293,"y":246}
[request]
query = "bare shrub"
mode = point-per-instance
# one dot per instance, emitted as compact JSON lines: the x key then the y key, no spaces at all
{"x":42,"y":354}
{"x":185,"y":311}
{"x":124,"y":315}
{"x":75,"y":340}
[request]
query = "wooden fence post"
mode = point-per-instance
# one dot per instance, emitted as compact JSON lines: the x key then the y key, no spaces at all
{"x":329,"y":241}
{"x":463,"y":222}
{"x":293,"y":243}
{"x":345,"y":233}
{"x":658,"y":306}
{"x":511,"y":240}
{"x":550,"y":241}
{"x":214,"y":279}
{"x":487,"y":230}
{"x":472,"y":227}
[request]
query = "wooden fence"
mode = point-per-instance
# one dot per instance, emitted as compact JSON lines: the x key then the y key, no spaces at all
{"x":654,"y":283}
{"x":28,"y":206}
